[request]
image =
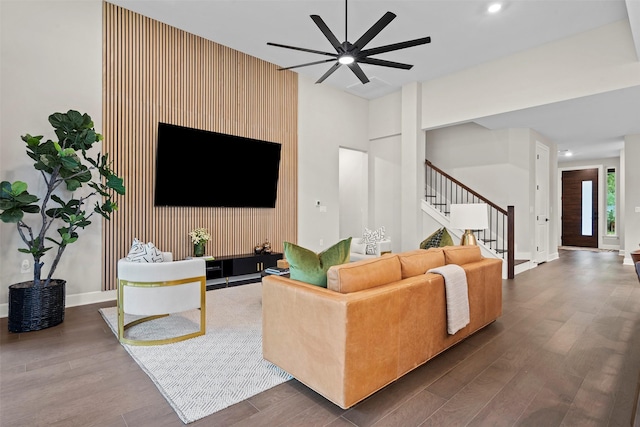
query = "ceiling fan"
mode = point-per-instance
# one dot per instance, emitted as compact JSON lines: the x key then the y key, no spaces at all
{"x":351,"y":54}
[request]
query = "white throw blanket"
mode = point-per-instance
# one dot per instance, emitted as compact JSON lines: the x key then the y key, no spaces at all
{"x":455,"y":284}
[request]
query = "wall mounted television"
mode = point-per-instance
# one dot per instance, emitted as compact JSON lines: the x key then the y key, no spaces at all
{"x":209,"y":169}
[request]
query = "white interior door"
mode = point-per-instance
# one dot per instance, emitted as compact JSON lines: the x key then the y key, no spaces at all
{"x":542,"y":203}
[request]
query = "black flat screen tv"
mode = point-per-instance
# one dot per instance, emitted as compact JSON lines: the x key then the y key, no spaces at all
{"x":209,"y":169}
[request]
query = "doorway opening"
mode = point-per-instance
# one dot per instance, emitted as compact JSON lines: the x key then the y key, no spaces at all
{"x":353,"y":191}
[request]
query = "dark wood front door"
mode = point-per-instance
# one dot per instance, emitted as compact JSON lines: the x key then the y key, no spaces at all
{"x":580,"y":208}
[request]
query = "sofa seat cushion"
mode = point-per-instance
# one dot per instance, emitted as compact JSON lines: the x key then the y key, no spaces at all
{"x":364,"y":274}
{"x":462,"y":254}
{"x":309,"y":267}
{"x":416,"y":262}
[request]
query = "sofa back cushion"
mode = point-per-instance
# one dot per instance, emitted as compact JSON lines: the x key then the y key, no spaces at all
{"x":462,"y":254}
{"x":364,"y":274}
{"x":416,"y":262}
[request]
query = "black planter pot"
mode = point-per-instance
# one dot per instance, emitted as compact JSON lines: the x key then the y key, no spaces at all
{"x":34,"y":308}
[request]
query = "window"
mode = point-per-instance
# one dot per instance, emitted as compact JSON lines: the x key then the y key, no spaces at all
{"x":587,"y":211}
{"x":611,"y":202}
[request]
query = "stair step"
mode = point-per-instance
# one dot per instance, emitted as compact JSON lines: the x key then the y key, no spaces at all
{"x":500,"y":251}
{"x":489,"y":240}
{"x":439,"y":204}
{"x":431,"y":195}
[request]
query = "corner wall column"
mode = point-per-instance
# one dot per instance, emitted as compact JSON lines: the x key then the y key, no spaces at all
{"x":412,"y":171}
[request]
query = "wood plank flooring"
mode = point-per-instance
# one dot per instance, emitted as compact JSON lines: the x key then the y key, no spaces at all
{"x":566,"y":352}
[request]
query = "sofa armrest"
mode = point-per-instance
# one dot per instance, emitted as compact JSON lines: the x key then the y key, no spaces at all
{"x":317,"y":335}
{"x":384,"y":246}
{"x":358,"y":249}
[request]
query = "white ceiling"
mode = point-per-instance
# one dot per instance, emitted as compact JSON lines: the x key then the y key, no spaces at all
{"x":462,"y":35}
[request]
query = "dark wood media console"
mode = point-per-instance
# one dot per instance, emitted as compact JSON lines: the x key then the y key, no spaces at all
{"x":234,"y":270}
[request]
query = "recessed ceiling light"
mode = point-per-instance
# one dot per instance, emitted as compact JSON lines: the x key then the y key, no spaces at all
{"x":565,"y":153}
{"x":494,"y":8}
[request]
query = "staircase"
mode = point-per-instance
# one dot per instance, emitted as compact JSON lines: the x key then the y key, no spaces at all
{"x":442,"y":190}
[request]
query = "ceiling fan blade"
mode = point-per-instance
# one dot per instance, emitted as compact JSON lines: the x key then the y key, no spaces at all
{"x":395,"y":46}
{"x":374,"y":30}
{"x":329,"y":72}
{"x":327,"y":33}
{"x":324,"y":61}
{"x":358,"y":72}
{"x":384,"y":63}
{"x":319,"y":52}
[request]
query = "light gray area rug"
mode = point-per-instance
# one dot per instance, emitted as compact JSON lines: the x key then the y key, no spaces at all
{"x":205,"y":374}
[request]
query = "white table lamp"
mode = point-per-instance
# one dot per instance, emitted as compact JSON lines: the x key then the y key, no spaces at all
{"x":468,"y":217}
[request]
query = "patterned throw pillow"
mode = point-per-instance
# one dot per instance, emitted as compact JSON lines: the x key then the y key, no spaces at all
{"x":437,"y":239}
{"x":140,"y":252}
{"x":371,"y":239}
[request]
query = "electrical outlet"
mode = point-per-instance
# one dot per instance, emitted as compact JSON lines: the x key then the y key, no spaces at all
{"x":25,"y":266}
{"x":321,"y":242}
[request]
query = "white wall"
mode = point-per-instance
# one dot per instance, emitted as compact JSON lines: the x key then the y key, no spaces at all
{"x":385,"y":135}
{"x":385,"y":116}
{"x":631,"y":184}
{"x":327,"y":120}
{"x":51,"y":61}
{"x":353,"y":189}
{"x":592,"y":62}
{"x":500,"y":165}
{"x":385,"y":165}
{"x":36,"y":81}
{"x":495,"y":164}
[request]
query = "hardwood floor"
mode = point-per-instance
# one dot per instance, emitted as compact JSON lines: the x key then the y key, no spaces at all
{"x":564,"y":353}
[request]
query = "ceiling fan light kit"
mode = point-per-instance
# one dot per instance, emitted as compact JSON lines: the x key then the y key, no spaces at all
{"x":352,"y":54}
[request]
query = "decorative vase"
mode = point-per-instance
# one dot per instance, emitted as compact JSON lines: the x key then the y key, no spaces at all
{"x":33,"y":308}
{"x":198,"y":249}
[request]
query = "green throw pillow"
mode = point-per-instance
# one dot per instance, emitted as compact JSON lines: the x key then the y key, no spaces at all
{"x":437,"y":239}
{"x":309,"y":267}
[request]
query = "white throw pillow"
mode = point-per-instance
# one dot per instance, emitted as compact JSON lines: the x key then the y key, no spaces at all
{"x":371,"y":239}
{"x":140,"y":252}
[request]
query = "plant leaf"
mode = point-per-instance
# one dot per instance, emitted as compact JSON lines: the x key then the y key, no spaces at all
{"x":12,"y":215}
{"x":116,"y":183}
{"x":18,"y":187}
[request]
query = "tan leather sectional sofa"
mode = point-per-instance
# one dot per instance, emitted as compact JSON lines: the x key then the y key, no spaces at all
{"x":377,"y":319}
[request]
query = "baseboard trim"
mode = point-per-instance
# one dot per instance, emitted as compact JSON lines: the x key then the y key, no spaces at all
{"x":553,"y":256}
{"x":75,"y":300}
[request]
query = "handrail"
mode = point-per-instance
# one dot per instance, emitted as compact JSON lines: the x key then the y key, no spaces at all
{"x":442,"y":190}
{"x":455,"y":181}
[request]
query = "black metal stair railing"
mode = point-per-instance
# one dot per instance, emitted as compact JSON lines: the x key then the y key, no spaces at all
{"x":442,"y":190}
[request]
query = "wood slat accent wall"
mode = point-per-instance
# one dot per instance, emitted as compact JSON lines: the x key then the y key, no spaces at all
{"x":156,"y":73}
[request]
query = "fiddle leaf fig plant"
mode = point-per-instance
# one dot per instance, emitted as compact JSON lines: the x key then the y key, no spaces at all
{"x":65,"y":166}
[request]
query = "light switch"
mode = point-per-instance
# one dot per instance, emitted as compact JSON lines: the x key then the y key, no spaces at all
{"x":637,"y":209}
